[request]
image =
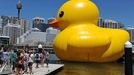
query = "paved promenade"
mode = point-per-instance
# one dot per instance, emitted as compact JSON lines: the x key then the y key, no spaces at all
{"x":44,"y":70}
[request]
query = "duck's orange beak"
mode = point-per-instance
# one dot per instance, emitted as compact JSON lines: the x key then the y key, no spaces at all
{"x":54,"y":23}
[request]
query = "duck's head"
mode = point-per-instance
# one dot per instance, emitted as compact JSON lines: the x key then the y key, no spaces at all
{"x":75,"y":12}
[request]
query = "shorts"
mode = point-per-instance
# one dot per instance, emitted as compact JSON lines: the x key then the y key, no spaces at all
{"x":30,"y":64}
{"x":23,"y":67}
{"x":46,"y":60}
{"x":37,"y":61}
{"x":1,"y":61}
{"x":26,"y":64}
{"x":19,"y":65}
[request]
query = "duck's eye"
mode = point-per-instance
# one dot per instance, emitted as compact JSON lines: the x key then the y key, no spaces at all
{"x":61,"y":14}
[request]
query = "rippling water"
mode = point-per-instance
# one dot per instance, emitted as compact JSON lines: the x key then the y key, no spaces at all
{"x":92,"y":69}
{"x":75,"y":68}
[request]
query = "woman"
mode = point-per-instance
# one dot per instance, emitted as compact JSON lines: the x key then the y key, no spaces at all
{"x":42,"y":58}
{"x":18,"y":63}
{"x":26,"y":57}
{"x":30,"y":62}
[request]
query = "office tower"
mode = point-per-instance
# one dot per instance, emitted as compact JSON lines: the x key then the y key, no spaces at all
{"x":100,"y":22}
{"x":0,"y":22}
{"x":107,"y":23}
{"x":37,"y":21}
{"x":0,"y":31}
{"x":24,"y":24}
{"x":4,"y":20}
{"x":50,"y":19}
{"x":0,"y":27}
{"x":111,"y":24}
{"x":51,"y":34}
{"x":13,"y":31}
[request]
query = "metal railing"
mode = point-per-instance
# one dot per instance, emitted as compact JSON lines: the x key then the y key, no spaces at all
{"x":6,"y":68}
{"x":1,"y":70}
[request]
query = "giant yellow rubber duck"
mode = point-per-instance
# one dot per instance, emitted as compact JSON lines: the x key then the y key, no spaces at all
{"x":81,"y":40}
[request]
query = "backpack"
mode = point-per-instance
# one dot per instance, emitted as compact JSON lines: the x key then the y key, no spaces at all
{"x":37,"y":56}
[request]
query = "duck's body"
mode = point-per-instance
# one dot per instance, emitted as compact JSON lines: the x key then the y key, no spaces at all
{"x":84,"y":43}
{"x":81,"y":40}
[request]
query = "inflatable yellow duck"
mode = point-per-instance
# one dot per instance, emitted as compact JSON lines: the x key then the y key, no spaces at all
{"x":81,"y":39}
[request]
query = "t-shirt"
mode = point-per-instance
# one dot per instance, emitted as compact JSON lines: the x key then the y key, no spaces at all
{"x":32,"y":55}
{"x":13,"y":57}
{"x":26,"y":56}
{"x":1,"y":54}
{"x":6,"y":55}
{"x":47,"y":55}
{"x":30,"y":58}
{"x":37,"y":56}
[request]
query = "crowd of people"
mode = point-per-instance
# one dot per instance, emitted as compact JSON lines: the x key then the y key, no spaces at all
{"x":22,"y":61}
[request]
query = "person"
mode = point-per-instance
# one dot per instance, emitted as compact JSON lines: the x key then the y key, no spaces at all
{"x":47,"y":58}
{"x":30,"y":62}
{"x":42,"y":58}
{"x":1,"y":57}
{"x":37,"y":59}
{"x":22,"y":60}
{"x":6,"y":56}
{"x":26,"y":56}
{"x":13,"y":59}
{"x":40,"y":50}
{"x":18,"y":63}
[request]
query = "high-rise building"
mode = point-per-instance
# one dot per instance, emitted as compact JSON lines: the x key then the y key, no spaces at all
{"x":37,"y":21}
{"x":4,"y":20}
{"x":0,"y":22}
{"x":42,"y":26}
{"x":0,"y":27}
{"x":13,"y":31}
{"x":111,"y":24}
{"x":0,"y":31}
{"x":10,"y":19}
{"x":131,"y":33}
{"x":101,"y":22}
{"x":106,"y":23}
{"x":50,"y":19}
{"x":51,"y":34}
{"x":24,"y":23}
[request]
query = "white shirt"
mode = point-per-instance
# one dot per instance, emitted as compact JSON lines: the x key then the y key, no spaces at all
{"x":30,"y":58}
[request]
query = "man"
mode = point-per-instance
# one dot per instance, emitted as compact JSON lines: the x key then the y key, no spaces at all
{"x":13,"y":59}
{"x":1,"y":57}
{"x":37,"y":59}
{"x":47,"y":57}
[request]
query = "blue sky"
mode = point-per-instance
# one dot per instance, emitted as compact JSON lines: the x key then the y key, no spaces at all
{"x":118,"y":10}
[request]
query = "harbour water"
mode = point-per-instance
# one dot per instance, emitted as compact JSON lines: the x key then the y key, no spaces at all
{"x":92,"y":69}
{"x":75,"y":68}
